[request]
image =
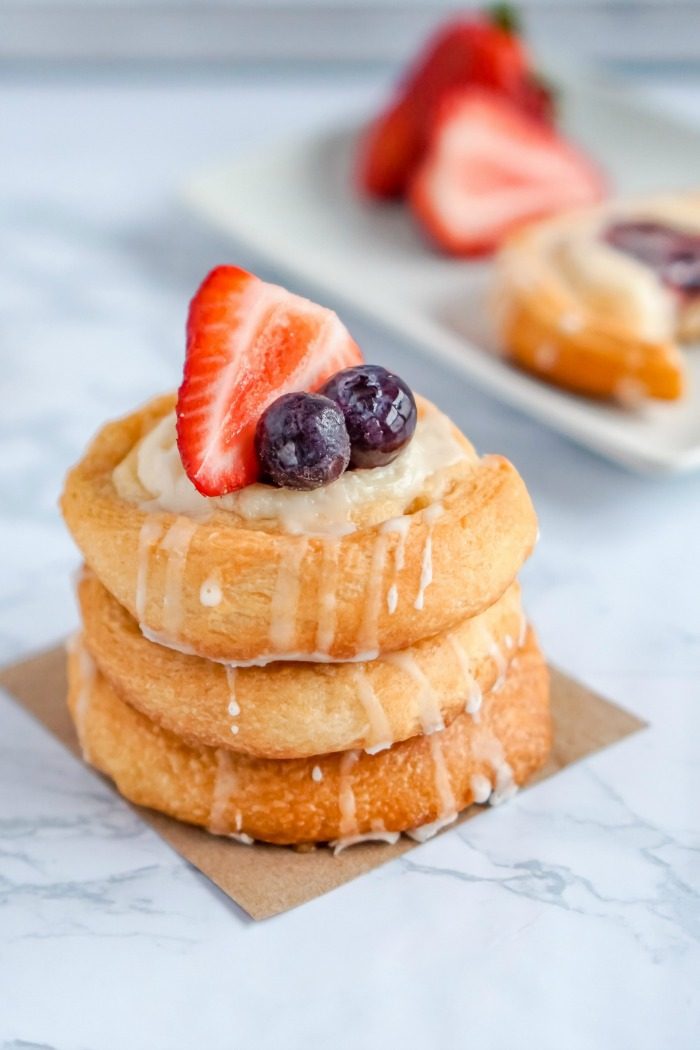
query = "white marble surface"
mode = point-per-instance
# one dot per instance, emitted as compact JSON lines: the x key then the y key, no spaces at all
{"x":568,"y":918}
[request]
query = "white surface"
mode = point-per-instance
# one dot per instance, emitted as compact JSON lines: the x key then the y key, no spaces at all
{"x":568,"y":918}
{"x":375,"y":258}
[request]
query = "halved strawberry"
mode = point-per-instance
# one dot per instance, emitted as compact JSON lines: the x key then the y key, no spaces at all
{"x":484,"y":51}
{"x":248,"y":342}
{"x":490,"y":169}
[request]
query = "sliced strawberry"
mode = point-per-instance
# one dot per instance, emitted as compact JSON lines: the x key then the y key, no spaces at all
{"x":248,"y":342}
{"x":490,"y":169}
{"x":483,"y":51}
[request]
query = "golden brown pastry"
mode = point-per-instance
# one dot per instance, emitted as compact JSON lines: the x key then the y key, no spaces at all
{"x":291,"y":710}
{"x":597,"y":301}
{"x":301,"y":617}
{"x":418,"y":782}
{"x":413,"y":557}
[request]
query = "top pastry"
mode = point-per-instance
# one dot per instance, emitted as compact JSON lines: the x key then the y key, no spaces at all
{"x":292,"y":502}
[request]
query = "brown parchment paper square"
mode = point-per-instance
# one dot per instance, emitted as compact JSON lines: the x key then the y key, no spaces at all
{"x":265,"y":880}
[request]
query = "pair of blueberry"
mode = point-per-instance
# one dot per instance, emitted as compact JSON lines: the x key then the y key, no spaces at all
{"x":362,"y":417}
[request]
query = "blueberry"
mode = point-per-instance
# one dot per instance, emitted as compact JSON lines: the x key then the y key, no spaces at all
{"x":379,"y":409}
{"x":302,"y":442}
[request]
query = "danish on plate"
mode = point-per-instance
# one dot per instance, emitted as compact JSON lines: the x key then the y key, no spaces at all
{"x":601,"y":301}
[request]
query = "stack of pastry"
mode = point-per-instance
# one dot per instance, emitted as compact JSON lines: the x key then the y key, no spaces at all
{"x":333,"y":663}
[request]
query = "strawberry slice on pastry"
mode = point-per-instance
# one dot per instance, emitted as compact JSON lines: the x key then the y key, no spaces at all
{"x":248,"y":342}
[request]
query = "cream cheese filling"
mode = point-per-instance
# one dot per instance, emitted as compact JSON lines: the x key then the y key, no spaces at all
{"x":153,"y":475}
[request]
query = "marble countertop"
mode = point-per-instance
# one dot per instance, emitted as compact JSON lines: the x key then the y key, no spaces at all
{"x":568,"y":918}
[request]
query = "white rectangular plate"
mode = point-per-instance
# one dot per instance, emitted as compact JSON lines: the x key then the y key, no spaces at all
{"x":295,"y":204}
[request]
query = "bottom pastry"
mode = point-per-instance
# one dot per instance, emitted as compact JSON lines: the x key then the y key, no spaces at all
{"x":415,"y":786}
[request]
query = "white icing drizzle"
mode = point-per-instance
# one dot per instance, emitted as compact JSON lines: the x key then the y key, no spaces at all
{"x":210,"y":593}
{"x":431,"y":515}
{"x":383,"y":745}
{"x":159,"y":638}
{"x":505,"y":787}
{"x":150,"y":533}
{"x":501,"y":665}
{"x":368,"y":635}
{"x":426,"y":572}
{"x":290,"y":657}
{"x":380,"y":734}
{"x":443,"y":788}
{"x":285,"y":598}
{"x":400,"y":526}
{"x":338,"y":845}
{"x":176,"y":542}
{"x":346,"y":795}
{"x":490,"y":749}
{"x":317,"y":774}
{"x":427,"y":831}
{"x":225,"y":784}
{"x":481,"y":788}
{"x":259,"y":661}
{"x":429,"y":707}
{"x":88,"y":672}
{"x":325,"y":631}
{"x":233,"y":706}
{"x":474,"y":698}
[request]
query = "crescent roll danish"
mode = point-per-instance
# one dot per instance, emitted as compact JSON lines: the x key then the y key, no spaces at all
{"x":268,"y":574}
{"x":301,"y":619}
{"x":423,"y":780}
{"x":597,"y":301}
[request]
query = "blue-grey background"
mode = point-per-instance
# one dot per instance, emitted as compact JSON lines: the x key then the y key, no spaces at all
{"x":327,"y":32}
